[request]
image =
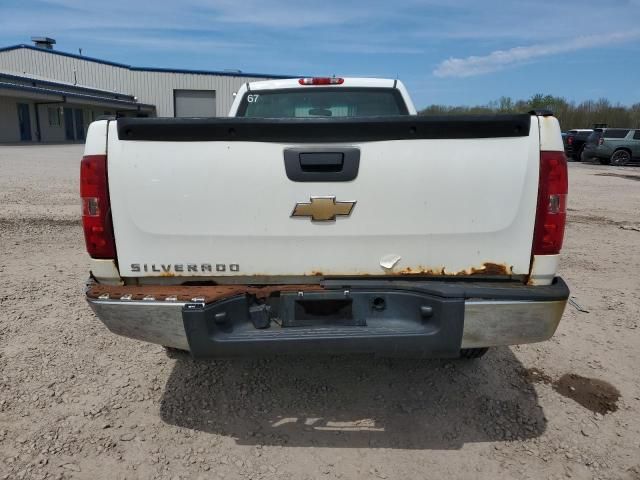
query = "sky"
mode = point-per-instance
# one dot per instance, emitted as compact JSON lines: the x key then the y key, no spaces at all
{"x":462,"y":52}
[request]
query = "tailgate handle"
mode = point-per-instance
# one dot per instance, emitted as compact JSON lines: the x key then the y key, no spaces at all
{"x":322,"y":164}
{"x":321,"y":161}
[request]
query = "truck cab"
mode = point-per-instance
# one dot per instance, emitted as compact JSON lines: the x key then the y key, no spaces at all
{"x":328,"y":97}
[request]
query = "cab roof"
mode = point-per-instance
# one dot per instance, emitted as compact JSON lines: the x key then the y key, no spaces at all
{"x":348,"y":82}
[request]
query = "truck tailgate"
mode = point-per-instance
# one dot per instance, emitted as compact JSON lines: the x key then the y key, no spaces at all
{"x":207,"y":204}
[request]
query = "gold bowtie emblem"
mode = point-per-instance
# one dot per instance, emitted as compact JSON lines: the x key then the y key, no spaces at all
{"x":322,"y":209}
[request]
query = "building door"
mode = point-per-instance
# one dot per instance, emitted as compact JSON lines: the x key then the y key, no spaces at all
{"x":68,"y":124}
{"x":24,"y":121}
{"x":194,"y":103}
{"x":79,"y":117}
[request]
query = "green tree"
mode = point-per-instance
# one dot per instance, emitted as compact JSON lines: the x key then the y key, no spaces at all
{"x":571,"y":115}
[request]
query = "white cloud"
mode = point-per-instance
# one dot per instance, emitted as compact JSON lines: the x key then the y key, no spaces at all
{"x":274,"y":14}
{"x":153,"y":42}
{"x":501,"y":59}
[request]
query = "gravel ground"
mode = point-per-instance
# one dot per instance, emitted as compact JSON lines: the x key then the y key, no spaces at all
{"x":78,"y":402}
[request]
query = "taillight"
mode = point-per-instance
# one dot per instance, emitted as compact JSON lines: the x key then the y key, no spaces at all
{"x":96,"y":211}
{"x":570,"y":140}
{"x":321,"y":81}
{"x":551,"y":214}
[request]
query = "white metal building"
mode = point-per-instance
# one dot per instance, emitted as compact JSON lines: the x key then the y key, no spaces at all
{"x":52,"y":96}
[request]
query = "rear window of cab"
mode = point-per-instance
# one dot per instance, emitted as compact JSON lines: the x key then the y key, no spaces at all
{"x":317,"y":102}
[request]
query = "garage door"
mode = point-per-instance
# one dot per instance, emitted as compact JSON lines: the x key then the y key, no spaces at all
{"x":194,"y":103}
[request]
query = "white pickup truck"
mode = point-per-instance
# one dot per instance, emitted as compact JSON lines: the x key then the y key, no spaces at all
{"x":324,"y":215}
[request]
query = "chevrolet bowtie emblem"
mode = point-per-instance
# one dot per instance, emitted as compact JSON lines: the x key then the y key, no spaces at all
{"x":322,"y":209}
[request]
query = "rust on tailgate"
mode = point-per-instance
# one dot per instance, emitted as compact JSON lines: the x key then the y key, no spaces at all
{"x":214,"y":293}
{"x":487,"y":268}
{"x":182,"y":293}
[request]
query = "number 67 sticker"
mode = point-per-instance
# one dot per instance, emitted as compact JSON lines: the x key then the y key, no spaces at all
{"x":253,"y":98}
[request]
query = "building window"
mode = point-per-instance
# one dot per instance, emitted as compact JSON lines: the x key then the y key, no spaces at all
{"x":54,"y":117}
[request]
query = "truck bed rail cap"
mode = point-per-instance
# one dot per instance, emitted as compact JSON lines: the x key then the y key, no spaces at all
{"x":287,"y":130}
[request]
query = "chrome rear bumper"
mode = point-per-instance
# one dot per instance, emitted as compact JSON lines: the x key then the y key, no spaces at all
{"x":486,"y":323}
{"x":149,"y":321}
{"x":493,"y":323}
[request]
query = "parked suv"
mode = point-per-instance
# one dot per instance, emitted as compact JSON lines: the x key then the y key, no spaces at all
{"x":615,"y":146}
{"x":574,"y":142}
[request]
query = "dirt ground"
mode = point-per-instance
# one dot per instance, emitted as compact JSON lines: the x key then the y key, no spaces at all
{"x":79,"y":402}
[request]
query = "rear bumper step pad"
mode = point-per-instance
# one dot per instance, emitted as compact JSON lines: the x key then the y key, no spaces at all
{"x":391,"y":322}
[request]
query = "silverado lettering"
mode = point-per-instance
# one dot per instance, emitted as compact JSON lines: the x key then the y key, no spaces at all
{"x":185,"y":267}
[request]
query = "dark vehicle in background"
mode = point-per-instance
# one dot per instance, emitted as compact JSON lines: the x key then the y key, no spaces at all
{"x":615,"y":146}
{"x":574,"y":141}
